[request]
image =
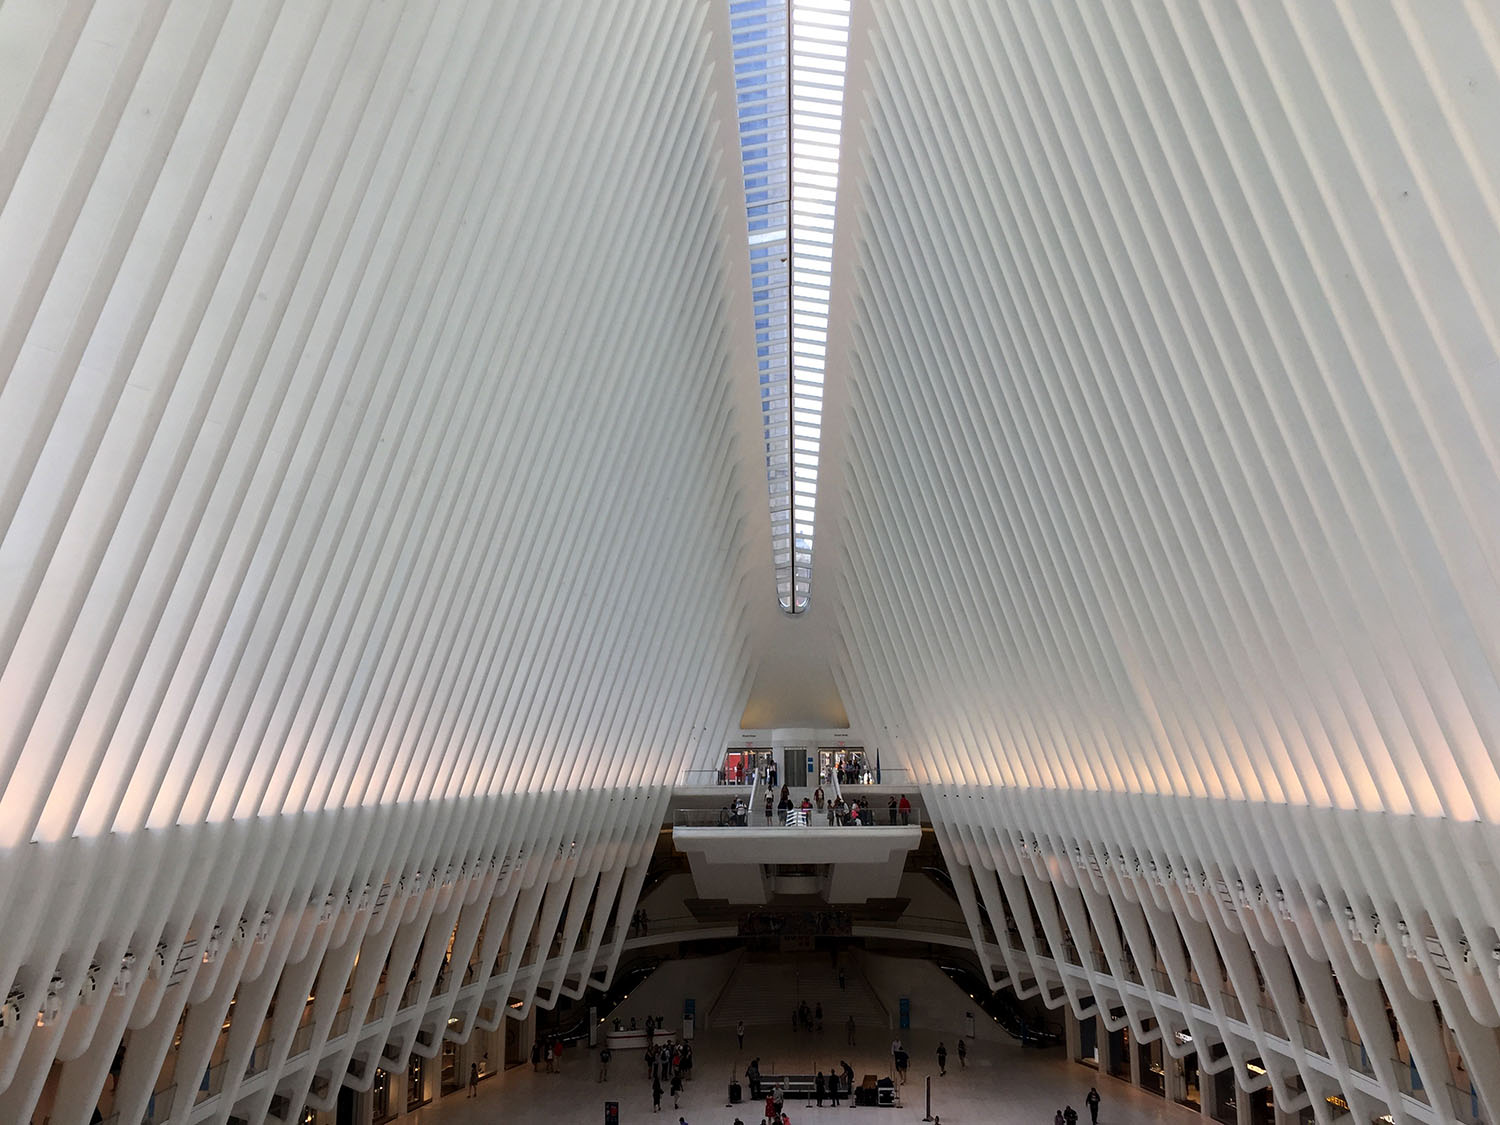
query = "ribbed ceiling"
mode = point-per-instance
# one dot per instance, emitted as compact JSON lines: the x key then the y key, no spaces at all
{"x":369,"y":390}
{"x":1169,"y":436}
{"x":383,"y":519}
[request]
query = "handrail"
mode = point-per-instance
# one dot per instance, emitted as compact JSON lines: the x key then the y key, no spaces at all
{"x":712,"y":1006}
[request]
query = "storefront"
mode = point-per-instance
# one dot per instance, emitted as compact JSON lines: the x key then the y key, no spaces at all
{"x":1191,"y":1095}
{"x":515,"y":1042}
{"x":1262,"y":1101}
{"x":847,"y":763}
{"x":416,"y":1087}
{"x":1119,"y":1050}
{"x":453,"y":1077}
{"x":1223,"y":1106}
{"x":380,"y":1097}
{"x":1153,"y":1073}
{"x":1088,"y":1041}
{"x":740,"y":764}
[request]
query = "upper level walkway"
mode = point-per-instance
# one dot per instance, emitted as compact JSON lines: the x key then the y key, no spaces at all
{"x":804,"y":841}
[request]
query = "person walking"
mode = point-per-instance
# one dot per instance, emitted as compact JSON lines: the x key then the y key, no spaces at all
{"x":739,"y":1033}
{"x":656,"y":1094}
{"x":1070,"y":1115}
{"x":536,"y":1055}
{"x":942,"y":1054}
{"x":902,"y":1060}
{"x":834,"y":1090}
{"x":963,"y":1054}
{"x":473,"y":1080}
{"x":1057,"y":1118}
{"x":819,"y":1088}
{"x":849,"y":1028}
{"x":604,"y":1064}
{"x":676,"y":1089}
{"x":1092,"y":1101}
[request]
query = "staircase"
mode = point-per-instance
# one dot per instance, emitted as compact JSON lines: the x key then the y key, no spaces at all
{"x":765,"y":988}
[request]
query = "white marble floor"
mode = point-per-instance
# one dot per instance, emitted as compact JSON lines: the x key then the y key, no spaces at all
{"x":1002,"y":1084}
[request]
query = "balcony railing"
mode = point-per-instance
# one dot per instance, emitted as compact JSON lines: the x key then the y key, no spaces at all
{"x":701,"y":779}
{"x":878,"y":815}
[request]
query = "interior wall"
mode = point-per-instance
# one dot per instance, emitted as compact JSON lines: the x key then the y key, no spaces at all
{"x":937,"y":1004}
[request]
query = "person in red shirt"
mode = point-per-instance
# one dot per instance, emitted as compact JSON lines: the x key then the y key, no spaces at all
{"x":905,"y":808}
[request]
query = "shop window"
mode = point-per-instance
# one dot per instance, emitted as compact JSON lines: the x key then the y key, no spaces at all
{"x":416,"y":1090}
{"x":451,"y":1079}
{"x":380,"y":1098}
{"x":1119,"y":1053}
{"x":1191,"y":1093}
{"x":1153,"y":1073}
{"x":1224,"y":1107}
{"x":1088,"y":1041}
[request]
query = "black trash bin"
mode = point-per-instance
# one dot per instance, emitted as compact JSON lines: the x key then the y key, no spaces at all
{"x":734,"y":1093}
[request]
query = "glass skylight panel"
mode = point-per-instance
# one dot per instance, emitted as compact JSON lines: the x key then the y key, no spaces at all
{"x":789,"y":85}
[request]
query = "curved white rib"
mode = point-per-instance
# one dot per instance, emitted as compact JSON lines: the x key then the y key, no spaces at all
{"x":1163,"y":533}
{"x":374,"y":526}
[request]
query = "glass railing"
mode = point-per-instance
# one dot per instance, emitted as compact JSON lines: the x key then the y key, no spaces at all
{"x":377,"y":1006}
{"x":879,"y":815}
{"x":213,"y":1082}
{"x":159,"y":1108}
{"x":1408,"y":1081}
{"x":702,"y":779}
{"x":302,"y":1040}
{"x":885,"y":775}
{"x":260,"y":1058}
{"x":1232,"y":1006}
{"x":409,"y":994}
{"x":1465,"y":1104}
{"x":1270,"y":1020}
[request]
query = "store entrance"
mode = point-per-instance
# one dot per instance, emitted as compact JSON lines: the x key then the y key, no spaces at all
{"x":1153,"y":1073}
{"x":740,"y":764}
{"x":1119,"y":1051}
{"x":846,"y":763}
{"x":515,"y":1053}
{"x":1191,"y":1093}
{"x":1088,"y":1041}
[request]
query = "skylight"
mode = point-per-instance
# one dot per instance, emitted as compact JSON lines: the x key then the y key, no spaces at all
{"x":789,"y":81}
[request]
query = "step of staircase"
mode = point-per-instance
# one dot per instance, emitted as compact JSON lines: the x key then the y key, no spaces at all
{"x":765,"y":992}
